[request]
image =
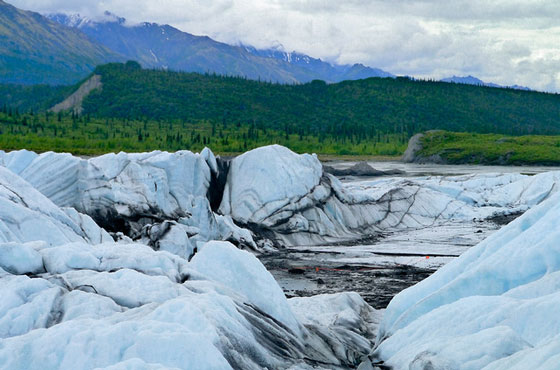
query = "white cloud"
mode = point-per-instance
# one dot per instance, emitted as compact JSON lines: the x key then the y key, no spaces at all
{"x":503,"y":41}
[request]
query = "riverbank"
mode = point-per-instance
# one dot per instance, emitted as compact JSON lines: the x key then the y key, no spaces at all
{"x":443,"y":147}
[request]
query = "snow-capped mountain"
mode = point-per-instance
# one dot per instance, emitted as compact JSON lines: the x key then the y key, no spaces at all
{"x":163,"y":46}
{"x":327,"y":71}
{"x":79,"y":21}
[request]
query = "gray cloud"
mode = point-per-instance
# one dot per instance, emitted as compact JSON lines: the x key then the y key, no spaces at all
{"x":503,"y":41}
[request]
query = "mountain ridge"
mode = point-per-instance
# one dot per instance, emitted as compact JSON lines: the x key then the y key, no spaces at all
{"x":471,"y":80}
{"x":34,"y":49}
{"x":329,"y":72}
{"x":166,"y":47}
{"x":63,"y":49}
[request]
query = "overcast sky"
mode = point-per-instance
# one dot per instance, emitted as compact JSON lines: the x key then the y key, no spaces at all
{"x":503,"y":41}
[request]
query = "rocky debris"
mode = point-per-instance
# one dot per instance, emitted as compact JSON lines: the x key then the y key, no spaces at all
{"x":414,"y":146}
{"x":376,"y":284}
{"x":74,"y":101}
{"x":360,"y":169}
{"x":411,"y":154}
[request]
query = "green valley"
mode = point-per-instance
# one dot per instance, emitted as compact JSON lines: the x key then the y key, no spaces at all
{"x":87,"y":135}
{"x":138,"y":110}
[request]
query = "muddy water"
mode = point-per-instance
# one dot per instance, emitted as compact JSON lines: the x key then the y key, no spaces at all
{"x":396,"y":261}
{"x":376,"y":271}
{"x":302,"y":277}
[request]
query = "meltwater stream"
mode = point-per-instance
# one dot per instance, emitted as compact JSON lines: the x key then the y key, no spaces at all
{"x":394,"y":261}
{"x":376,"y":271}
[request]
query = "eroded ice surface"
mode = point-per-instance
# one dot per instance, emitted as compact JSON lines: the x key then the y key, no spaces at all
{"x":157,"y":198}
{"x":27,"y":215}
{"x":95,"y":306}
{"x":495,"y":307}
{"x":73,"y":298}
{"x":288,"y":197}
{"x":164,"y":199}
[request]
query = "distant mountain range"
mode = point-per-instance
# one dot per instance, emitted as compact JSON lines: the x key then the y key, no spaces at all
{"x":62,"y":49}
{"x":325,"y":71}
{"x":34,"y":49}
{"x":471,"y":80}
{"x":163,"y":46}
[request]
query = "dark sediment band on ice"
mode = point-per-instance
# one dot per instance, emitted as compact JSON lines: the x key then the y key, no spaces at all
{"x":218,"y":182}
{"x":360,"y":169}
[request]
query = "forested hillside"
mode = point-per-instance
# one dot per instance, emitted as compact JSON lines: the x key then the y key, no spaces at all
{"x":138,"y":110}
{"x":85,"y":134}
{"x":363,"y":108}
{"x":25,"y":99}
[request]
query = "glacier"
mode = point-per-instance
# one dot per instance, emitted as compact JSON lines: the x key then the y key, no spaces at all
{"x":94,"y":306}
{"x":495,"y":307}
{"x":157,"y":198}
{"x":149,"y":261}
{"x":72,"y":297}
{"x":292,"y":201}
{"x":269,"y":196}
